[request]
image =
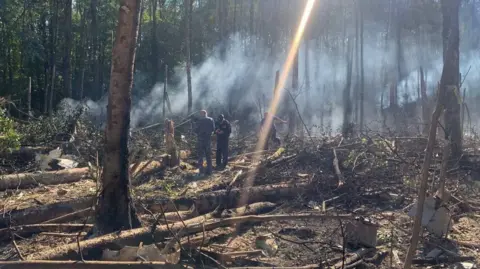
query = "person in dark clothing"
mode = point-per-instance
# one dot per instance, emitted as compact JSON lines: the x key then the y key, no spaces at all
{"x":224,"y":129}
{"x":204,"y":129}
{"x":270,"y":130}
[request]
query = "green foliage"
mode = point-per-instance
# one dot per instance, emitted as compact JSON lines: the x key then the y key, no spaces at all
{"x":9,"y":138}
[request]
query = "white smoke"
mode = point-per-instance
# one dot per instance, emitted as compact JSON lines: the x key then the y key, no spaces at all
{"x":242,"y":79}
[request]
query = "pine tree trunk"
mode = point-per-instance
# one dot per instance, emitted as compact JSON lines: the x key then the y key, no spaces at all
{"x":450,"y":34}
{"x":292,"y":118}
{"x":68,"y":48}
{"x":97,"y":91}
{"x":362,"y":74}
{"x":155,"y":65}
{"x":83,"y":52}
{"x":115,"y":209}
{"x":188,"y":20}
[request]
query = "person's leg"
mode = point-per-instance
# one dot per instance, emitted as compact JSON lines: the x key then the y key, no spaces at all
{"x":200,"y":154}
{"x":275,"y":138}
{"x":219,"y":153}
{"x":225,"y":153}
{"x":208,"y":151}
{"x":267,"y":140}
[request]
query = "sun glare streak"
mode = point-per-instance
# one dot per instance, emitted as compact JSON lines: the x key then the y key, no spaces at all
{"x":279,"y":92}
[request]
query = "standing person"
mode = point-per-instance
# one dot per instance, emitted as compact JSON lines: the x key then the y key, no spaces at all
{"x":224,"y":129}
{"x":204,"y":129}
{"x":270,"y":130}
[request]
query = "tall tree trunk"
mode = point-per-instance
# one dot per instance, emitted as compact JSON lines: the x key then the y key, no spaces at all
{"x":115,"y":209}
{"x":155,"y":57}
{"x":67,"y":78}
{"x":307,"y":80}
{"x":357,"y":63}
{"x":82,"y":52}
{"x":188,"y":25}
{"x":53,"y":44}
{"x":448,"y":82}
{"x":44,"y":30}
{"x":165,"y":93}
{"x":29,"y":97}
{"x":362,"y":74}
{"x":251,"y":28}
{"x":292,"y":118}
{"x":234,"y":26}
{"x":425,"y":103}
{"x":450,"y":34}
{"x":347,"y":101}
{"x":95,"y":50}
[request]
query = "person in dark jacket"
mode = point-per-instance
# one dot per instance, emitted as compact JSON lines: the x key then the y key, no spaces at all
{"x":224,"y":129}
{"x":270,"y":130}
{"x":204,"y":129}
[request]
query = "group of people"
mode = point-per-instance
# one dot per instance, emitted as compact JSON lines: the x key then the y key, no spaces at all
{"x":206,"y":126}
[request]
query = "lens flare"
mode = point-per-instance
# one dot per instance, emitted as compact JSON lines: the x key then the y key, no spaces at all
{"x":279,"y":92}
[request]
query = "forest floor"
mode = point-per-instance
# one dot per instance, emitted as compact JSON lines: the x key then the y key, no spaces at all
{"x":312,"y":205}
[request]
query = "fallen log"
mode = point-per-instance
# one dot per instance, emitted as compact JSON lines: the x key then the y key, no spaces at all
{"x":440,"y":260}
{"x":145,"y":235}
{"x":26,"y":230}
{"x":64,"y":234}
{"x":356,"y":256}
{"x":87,"y":265}
{"x":207,"y":202}
{"x":43,"y":213}
{"x":72,"y":216}
{"x":27,"y":180}
{"x":204,"y":203}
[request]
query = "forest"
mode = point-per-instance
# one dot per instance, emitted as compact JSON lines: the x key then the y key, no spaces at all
{"x":371,"y":107}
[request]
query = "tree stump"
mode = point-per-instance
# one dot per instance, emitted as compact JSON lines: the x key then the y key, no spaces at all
{"x":170,"y":144}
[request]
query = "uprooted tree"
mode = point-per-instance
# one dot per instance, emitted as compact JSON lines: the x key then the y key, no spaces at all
{"x":115,"y":210}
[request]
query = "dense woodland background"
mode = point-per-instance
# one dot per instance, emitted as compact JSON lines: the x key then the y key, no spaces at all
{"x":235,"y":48}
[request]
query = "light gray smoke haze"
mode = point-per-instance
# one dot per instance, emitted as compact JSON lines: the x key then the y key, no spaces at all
{"x":245,"y":78}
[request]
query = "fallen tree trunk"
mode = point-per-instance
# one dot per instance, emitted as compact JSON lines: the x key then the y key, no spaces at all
{"x":207,"y":202}
{"x":72,"y":216}
{"x":43,"y":213}
{"x":145,"y":235}
{"x":87,"y":265}
{"x":26,"y":230}
{"x":27,"y":180}
{"x":204,"y":203}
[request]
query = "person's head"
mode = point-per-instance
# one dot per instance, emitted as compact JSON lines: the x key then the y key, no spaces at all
{"x":203,"y":113}
{"x":221,"y":117}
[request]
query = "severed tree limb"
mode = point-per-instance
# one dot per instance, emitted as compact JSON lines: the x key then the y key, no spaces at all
{"x":71,"y":216}
{"x":443,"y":170}
{"x":27,"y":180}
{"x":358,"y":255}
{"x":341,"y":179}
{"x":25,"y":230}
{"x":134,"y":236}
{"x":204,"y":203}
{"x":63,"y":234}
{"x":424,"y":180}
{"x":14,"y":243}
{"x":87,"y":265}
{"x":440,"y":260}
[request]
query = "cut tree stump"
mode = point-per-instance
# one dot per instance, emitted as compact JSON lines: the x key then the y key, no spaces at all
{"x":27,"y":180}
